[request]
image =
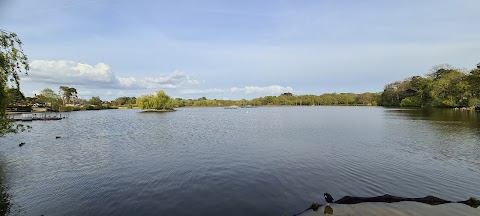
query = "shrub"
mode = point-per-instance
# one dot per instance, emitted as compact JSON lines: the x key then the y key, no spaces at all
{"x":88,"y":107}
{"x":411,"y":102}
{"x":65,"y":109}
{"x":473,"y":101}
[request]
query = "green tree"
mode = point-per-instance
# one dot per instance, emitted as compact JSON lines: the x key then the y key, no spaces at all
{"x":450,"y":88}
{"x":473,"y":78}
{"x":13,"y":62}
{"x":368,"y":99}
{"x":159,"y":101}
{"x":95,"y":101}
{"x":121,"y":101}
{"x":50,"y":99}
{"x":68,"y":94}
{"x":15,"y":96}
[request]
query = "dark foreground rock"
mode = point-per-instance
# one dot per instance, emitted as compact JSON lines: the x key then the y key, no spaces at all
{"x":387,"y":198}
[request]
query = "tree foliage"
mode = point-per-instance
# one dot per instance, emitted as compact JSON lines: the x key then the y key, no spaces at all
{"x":444,"y":86}
{"x":13,"y":62}
{"x":15,"y":96}
{"x":50,"y":99}
{"x":288,"y":99}
{"x":68,"y":94}
{"x":159,"y":101}
{"x":124,"y":101}
{"x":95,"y":101}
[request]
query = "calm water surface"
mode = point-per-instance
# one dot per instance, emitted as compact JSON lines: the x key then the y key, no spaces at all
{"x":215,"y":161}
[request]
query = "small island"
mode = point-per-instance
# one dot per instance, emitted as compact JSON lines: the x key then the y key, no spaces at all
{"x":159,"y":102}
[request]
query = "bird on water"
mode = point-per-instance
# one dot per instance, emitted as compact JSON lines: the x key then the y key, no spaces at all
{"x":21,"y":144}
{"x":328,"y":198}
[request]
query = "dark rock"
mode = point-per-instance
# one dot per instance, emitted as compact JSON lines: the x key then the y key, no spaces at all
{"x":473,"y":202}
{"x":387,"y":198}
{"x":315,"y":206}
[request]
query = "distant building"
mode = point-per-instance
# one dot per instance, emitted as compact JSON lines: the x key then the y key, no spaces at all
{"x":38,"y":105}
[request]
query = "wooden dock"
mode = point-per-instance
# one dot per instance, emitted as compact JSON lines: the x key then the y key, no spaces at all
{"x":35,"y":117}
{"x":48,"y":118}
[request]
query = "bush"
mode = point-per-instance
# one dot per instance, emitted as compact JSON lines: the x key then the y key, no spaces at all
{"x":443,"y":103}
{"x":107,"y":106}
{"x":159,"y":101}
{"x":473,"y":101}
{"x":411,"y":102}
{"x":65,"y":109}
{"x":88,"y":107}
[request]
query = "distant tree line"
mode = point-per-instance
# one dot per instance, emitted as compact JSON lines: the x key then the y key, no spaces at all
{"x":444,"y":86}
{"x":330,"y":99}
{"x":288,"y":99}
{"x":66,"y":100}
{"x":129,"y":102}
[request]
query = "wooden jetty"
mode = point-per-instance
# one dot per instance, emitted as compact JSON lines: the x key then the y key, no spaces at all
{"x":35,"y":117}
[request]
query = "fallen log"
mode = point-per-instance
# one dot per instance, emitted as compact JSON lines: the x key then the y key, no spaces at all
{"x":387,"y":198}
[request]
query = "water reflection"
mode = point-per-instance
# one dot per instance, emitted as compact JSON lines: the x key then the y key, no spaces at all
{"x":4,"y":196}
{"x":469,"y":119}
{"x":267,"y":162}
{"x":438,"y":134}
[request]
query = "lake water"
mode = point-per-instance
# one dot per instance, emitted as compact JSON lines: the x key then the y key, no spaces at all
{"x":215,"y":161}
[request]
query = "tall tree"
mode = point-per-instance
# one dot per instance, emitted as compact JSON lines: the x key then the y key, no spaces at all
{"x":13,"y":62}
{"x":15,"y":96}
{"x":51,"y":99}
{"x":68,"y":94}
{"x":474,"y":80}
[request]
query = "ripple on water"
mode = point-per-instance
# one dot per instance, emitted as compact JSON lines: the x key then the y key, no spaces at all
{"x":212,"y":161}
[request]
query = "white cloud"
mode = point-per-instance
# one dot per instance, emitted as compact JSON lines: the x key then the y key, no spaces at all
{"x":69,"y":72}
{"x":100,"y":76}
{"x":273,"y":89}
{"x":83,"y":93}
{"x":203,"y":91}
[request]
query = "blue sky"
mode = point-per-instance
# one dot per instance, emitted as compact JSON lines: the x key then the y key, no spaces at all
{"x":237,"y":49}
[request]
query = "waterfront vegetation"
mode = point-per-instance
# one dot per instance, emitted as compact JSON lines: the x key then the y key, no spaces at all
{"x":444,"y":86}
{"x":158,"y":101}
{"x":13,"y":62}
{"x":288,"y":99}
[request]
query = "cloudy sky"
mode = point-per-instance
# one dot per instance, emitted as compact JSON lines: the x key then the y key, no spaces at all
{"x":238,"y":49}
